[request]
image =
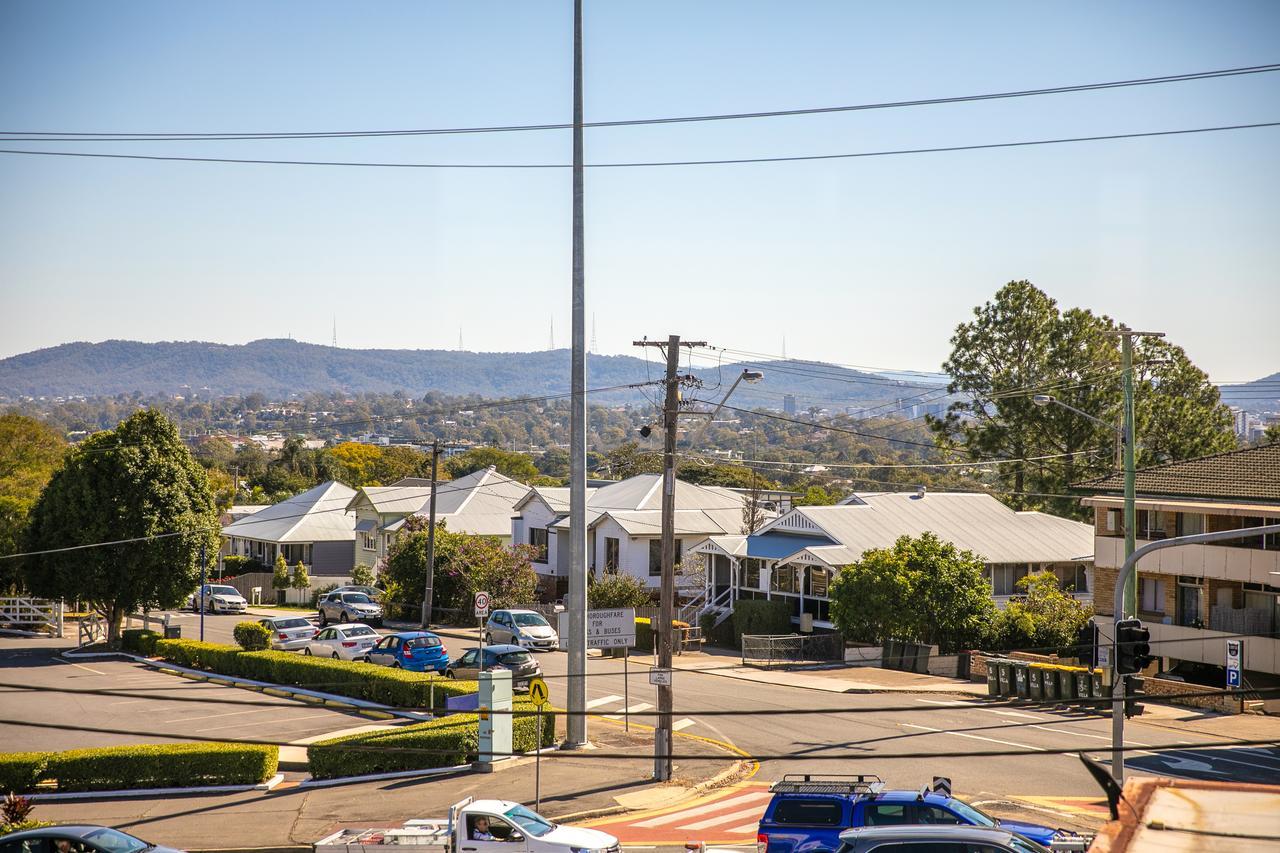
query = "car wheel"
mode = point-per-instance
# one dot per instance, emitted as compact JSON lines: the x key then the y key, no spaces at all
{"x":448,"y":673}
{"x":342,"y":617}
{"x":396,"y":665}
{"x":324,"y":620}
{"x":336,"y":657}
{"x":306,"y":651}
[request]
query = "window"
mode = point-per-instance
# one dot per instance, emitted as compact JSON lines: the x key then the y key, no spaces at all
{"x":1190,"y":523}
{"x":809,"y":812}
{"x":1190,"y":602}
{"x":783,"y":579}
{"x":1151,"y":595}
{"x":936,"y":815}
{"x":819,"y":581}
{"x":611,"y":548}
{"x":469,"y":659}
{"x":538,"y":539}
{"x":369,"y":541}
{"x":1004,"y":578}
{"x":1115,"y":523}
{"x":655,"y":556}
{"x":751,"y":574}
{"x":886,"y":814}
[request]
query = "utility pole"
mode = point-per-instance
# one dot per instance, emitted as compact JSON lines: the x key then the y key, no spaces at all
{"x":576,"y":686}
{"x":429,"y":591}
{"x":666,"y":611}
{"x":1127,"y":584}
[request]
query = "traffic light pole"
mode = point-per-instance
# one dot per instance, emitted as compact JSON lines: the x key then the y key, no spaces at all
{"x":1127,"y":571}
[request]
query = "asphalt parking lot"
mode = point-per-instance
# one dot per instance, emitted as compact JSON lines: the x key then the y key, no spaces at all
{"x":141,"y":705}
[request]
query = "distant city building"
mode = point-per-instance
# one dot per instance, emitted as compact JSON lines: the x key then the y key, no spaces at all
{"x":789,"y":404}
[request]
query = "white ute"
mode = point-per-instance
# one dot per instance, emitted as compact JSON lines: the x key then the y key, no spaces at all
{"x":514,"y":829}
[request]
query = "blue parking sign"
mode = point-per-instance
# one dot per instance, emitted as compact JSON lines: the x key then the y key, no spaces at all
{"x":1235,"y":654}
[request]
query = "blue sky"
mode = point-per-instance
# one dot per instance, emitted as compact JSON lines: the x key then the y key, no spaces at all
{"x":869,"y":262}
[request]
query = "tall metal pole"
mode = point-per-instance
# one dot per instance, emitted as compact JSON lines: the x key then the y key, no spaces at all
{"x":666,"y":611}
{"x":1130,"y":513}
{"x":576,"y":687}
{"x":428,"y":592}
{"x":201,"y":593}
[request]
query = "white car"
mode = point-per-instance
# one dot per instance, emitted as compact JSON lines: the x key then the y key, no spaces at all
{"x":523,"y":628}
{"x":342,"y":642}
{"x":219,"y":598}
{"x":289,"y":632}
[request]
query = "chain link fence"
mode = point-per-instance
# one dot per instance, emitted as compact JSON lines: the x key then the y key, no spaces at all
{"x":768,"y":650}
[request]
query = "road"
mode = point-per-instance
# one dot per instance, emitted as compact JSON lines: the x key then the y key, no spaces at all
{"x":939,"y":734}
{"x":149,"y":706}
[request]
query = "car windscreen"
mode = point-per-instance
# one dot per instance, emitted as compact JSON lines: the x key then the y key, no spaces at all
{"x":114,"y":841}
{"x":360,"y":631}
{"x":223,"y":590}
{"x":291,"y":623}
{"x":530,"y":821}
{"x":514,"y":658}
{"x":423,"y":642}
{"x":971,"y":815}
{"x":529,"y":620}
{"x":356,"y":598}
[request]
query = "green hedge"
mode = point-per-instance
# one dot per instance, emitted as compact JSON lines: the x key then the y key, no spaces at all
{"x":760,"y":616}
{"x":20,"y":771}
{"x":718,"y":635}
{"x":140,"y":641}
{"x":446,"y":742}
{"x":252,"y":636}
{"x":644,"y":633}
{"x":177,"y":765}
{"x":394,"y":687}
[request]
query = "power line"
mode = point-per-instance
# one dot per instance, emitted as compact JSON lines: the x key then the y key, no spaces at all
{"x":85,"y":136}
{"x":651,"y":163}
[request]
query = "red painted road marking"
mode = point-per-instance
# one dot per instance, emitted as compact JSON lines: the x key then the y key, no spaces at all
{"x":730,"y":817}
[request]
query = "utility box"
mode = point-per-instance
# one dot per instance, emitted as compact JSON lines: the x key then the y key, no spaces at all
{"x":495,"y":728}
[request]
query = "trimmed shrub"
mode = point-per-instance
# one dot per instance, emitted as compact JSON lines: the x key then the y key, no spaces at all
{"x":384,"y":685}
{"x":760,"y":616}
{"x":20,"y":771}
{"x":644,"y":632}
{"x":140,"y":641}
{"x":175,"y":765}
{"x":446,"y":742}
{"x":718,"y":635}
{"x":162,"y":766}
{"x":252,"y":636}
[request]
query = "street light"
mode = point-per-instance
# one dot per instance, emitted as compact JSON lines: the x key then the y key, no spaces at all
{"x":1043,"y":400}
{"x":751,"y":377}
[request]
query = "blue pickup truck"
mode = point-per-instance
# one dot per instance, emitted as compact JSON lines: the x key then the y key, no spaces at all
{"x":808,"y":813}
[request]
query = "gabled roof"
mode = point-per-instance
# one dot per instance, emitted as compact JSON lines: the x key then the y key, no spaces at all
{"x":636,"y":505}
{"x":394,"y":500}
{"x":973,"y":522}
{"x":480,"y":503}
{"x":316,"y":515}
{"x":1249,"y":474}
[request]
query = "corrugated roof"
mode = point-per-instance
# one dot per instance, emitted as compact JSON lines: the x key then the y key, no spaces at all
{"x":1249,"y":474}
{"x":973,"y":522}
{"x":480,"y":503}
{"x":316,"y":515}
{"x":636,"y":504}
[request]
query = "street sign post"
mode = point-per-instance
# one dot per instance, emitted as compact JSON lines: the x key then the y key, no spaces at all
{"x":539,"y":696}
{"x":1235,"y":658}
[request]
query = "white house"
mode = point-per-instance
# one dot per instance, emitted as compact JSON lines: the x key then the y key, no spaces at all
{"x":795,"y":557}
{"x":481,"y":503}
{"x":624,"y":526}
{"x":313,"y":528}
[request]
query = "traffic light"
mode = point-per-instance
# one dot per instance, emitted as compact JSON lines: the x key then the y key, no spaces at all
{"x":1133,"y":647}
{"x":1133,"y":691}
{"x":1087,"y":643}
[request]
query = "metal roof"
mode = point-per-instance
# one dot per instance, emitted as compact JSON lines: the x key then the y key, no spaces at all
{"x":636,"y":505}
{"x":317,"y":515}
{"x":973,"y":522}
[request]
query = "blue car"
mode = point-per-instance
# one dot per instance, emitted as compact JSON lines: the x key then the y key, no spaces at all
{"x":416,"y":651}
{"x":808,"y":813}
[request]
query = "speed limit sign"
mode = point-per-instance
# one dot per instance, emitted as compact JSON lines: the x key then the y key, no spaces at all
{"x":482,"y":604}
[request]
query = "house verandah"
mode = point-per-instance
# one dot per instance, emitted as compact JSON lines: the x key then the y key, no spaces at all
{"x":795,"y":557}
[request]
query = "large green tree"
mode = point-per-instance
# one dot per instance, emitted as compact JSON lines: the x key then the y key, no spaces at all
{"x":1042,"y":617}
{"x":923,"y":590}
{"x":30,"y":451}
{"x":135,"y":481}
{"x":1021,"y":344}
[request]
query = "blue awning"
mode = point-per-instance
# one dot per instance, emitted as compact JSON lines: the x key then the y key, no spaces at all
{"x":775,"y":546}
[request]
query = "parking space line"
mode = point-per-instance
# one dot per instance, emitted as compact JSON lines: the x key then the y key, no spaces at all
{"x":88,"y":669}
{"x":1010,"y":713}
{"x":227,"y":714}
{"x":261,"y":725}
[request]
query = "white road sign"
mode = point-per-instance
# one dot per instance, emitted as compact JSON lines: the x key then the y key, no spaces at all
{"x":660,"y":677}
{"x":611,"y":629}
{"x":482,"y":604}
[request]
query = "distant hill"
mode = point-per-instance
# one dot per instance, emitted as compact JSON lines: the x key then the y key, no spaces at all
{"x":1260,"y":395}
{"x":279,"y":368}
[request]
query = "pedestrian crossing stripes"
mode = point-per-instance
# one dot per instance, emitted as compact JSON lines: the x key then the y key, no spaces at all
{"x":640,"y":707}
{"x":729,"y":817}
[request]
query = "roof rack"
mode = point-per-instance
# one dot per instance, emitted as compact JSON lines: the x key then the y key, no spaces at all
{"x":832,"y":783}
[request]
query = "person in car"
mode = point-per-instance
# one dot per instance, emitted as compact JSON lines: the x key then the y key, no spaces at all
{"x":480,"y":829}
